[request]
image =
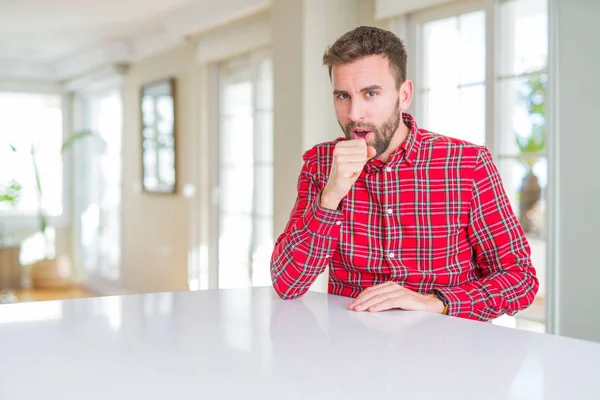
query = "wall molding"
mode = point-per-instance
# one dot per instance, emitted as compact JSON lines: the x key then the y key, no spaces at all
{"x":385,"y":9}
{"x":234,"y":39}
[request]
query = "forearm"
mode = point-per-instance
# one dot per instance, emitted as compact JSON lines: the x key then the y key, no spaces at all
{"x":505,"y":291}
{"x":303,"y":252}
{"x":506,"y":279}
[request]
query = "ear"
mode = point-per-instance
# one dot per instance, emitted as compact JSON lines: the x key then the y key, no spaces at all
{"x":405,"y":94}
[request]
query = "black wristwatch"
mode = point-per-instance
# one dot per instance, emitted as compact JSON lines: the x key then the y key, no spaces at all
{"x":443,"y":300}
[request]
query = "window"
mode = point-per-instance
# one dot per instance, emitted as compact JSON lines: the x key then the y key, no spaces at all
{"x":452,"y":83}
{"x":245,"y":171}
{"x":99,"y":185}
{"x":451,"y":88}
{"x":31,"y":136}
{"x":519,"y":142}
{"x":31,"y":122}
{"x":158,"y":143}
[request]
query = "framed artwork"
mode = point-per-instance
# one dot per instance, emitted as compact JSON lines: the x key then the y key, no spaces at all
{"x":159,"y":158}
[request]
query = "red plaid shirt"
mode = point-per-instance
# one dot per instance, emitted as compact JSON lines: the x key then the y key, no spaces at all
{"x":435,"y":216}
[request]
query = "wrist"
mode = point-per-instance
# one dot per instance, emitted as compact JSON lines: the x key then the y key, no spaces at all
{"x":329,"y":201}
{"x":435,"y":305}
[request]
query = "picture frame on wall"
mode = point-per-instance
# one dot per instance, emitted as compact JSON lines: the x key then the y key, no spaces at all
{"x":158,"y":126}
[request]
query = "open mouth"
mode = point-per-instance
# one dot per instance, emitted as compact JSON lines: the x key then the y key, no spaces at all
{"x":360,"y":133}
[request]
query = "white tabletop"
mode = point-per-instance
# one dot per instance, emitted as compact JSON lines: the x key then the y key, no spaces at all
{"x":246,"y":343}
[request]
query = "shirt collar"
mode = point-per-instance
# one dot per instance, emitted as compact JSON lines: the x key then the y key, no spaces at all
{"x":407,"y":151}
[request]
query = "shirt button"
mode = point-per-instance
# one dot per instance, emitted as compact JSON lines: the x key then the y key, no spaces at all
{"x":389,"y":169}
{"x":338,"y":223}
{"x":391,"y":255}
{"x":389,"y":211}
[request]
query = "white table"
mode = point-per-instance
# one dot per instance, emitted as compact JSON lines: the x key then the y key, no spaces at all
{"x":248,"y":344}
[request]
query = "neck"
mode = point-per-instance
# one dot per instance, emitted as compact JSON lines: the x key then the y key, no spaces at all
{"x":399,"y":136}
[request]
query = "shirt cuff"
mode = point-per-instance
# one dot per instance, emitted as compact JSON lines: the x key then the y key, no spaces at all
{"x":323,"y":221}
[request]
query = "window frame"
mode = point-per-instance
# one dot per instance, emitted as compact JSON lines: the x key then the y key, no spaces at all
{"x":414,"y":47}
{"x":415,"y":21}
{"x":80,"y":118}
{"x":224,"y":43}
{"x":252,"y":60}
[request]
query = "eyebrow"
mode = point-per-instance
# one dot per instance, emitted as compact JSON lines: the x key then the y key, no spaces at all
{"x":365,"y":89}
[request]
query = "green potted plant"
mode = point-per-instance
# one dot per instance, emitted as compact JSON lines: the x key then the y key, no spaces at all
{"x":531,"y":146}
{"x":49,"y":272}
{"x":9,"y":193}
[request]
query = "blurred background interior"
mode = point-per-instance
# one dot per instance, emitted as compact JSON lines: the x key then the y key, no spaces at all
{"x":153,"y":146}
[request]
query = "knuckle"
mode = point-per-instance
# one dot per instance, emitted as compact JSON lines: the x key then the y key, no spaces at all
{"x":338,"y":150}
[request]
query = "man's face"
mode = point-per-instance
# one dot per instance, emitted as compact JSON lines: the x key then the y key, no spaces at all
{"x":367,"y":103}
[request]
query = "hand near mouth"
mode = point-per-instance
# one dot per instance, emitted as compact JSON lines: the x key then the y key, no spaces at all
{"x":349,"y":159}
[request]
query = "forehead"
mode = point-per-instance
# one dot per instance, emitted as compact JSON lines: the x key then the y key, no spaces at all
{"x":370,"y":70}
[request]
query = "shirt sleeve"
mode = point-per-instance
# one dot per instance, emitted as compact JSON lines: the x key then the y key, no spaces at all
{"x":507,"y":282}
{"x":304,"y":249}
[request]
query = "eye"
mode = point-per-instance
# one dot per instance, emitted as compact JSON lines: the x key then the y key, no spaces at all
{"x":342,"y":96}
{"x":372,"y":93}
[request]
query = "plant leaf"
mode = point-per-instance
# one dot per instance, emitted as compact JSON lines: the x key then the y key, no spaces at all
{"x":73,"y":139}
{"x":534,"y":100}
{"x":10,"y":193}
{"x":43,"y":222}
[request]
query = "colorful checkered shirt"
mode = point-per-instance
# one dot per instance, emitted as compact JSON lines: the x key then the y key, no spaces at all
{"x":434,"y":217}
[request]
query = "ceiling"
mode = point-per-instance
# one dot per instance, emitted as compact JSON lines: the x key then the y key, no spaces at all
{"x":58,"y":39}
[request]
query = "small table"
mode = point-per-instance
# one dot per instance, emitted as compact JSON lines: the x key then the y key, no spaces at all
{"x":247,"y":343}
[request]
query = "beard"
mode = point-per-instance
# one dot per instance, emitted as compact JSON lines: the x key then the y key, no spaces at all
{"x":382,"y":135}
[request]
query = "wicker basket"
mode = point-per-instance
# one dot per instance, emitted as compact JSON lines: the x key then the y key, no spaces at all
{"x":51,"y":274}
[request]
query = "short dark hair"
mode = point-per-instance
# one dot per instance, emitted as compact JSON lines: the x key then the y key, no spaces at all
{"x":366,"y":41}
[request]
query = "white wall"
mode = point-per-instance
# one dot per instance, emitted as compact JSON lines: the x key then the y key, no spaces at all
{"x":578,"y":163}
{"x":156,"y":227}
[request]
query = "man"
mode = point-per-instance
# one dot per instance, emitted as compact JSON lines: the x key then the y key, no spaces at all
{"x":403,"y":217}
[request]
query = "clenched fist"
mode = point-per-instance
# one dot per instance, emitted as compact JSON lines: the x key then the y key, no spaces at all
{"x":349,"y":158}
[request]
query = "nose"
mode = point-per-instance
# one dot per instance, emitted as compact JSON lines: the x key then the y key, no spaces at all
{"x":356,"y":111}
